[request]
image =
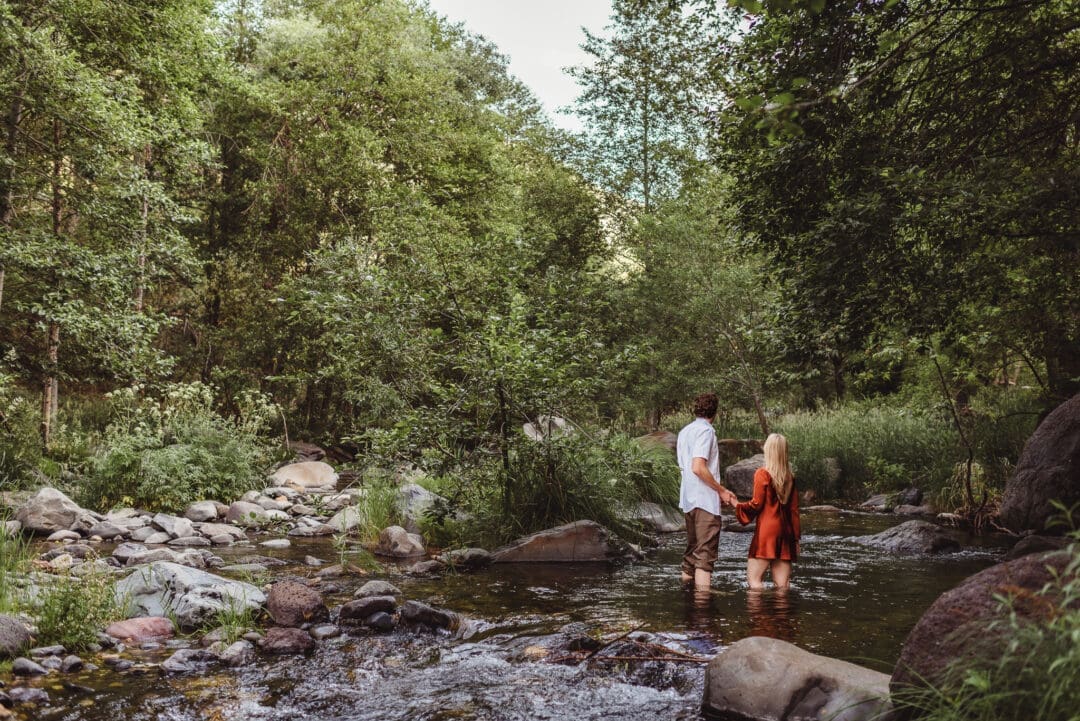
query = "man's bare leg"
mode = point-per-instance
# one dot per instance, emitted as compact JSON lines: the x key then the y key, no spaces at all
{"x":685,"y":577}
{"x":702,"y":578}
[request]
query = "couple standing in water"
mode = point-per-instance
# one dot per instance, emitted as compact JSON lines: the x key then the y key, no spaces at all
{"x":775,"y":504}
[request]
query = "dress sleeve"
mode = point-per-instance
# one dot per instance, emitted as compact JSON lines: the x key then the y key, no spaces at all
{"x":746,"y":511}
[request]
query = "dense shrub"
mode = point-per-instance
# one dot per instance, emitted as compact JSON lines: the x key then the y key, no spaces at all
{"x":20,"y":439}
{"x":876,"y":448}
{"x":165,"y":453}
{"x":71,"y":611}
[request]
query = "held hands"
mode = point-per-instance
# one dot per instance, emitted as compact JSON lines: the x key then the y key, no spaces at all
{"x":726,"y":496}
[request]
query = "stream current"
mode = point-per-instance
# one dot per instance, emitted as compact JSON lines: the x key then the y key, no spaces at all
{"x":846,"y":601}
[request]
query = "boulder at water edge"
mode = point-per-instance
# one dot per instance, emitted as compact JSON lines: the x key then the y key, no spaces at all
{"x":294,"y":604}
{"x":50,"y":510}
{"x":14,"y":637}
{"x":765,"y":679}
{"x":659,"y":518}
{"x":912,"y":538}
{"x":191,"y":596}
{"x":137,"y":630}
{"x":307,"y":474}
{"x":576,"y":542}
{"x":1048,"y":470}
{"x":286,"y":641}
{"x":739,"y":477}
{"x":959,"y":625}
{"x":396,"y":542}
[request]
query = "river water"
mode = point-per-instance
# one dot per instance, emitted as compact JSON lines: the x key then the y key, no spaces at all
{"x":846,"y":601}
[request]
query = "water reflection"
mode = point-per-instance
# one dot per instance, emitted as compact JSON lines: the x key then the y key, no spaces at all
{"x":772,"y":613}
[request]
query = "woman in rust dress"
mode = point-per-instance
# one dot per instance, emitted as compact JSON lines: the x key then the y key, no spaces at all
{"x":775,"y":545}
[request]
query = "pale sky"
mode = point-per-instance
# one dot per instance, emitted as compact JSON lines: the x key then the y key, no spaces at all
{"x":541,"y":37}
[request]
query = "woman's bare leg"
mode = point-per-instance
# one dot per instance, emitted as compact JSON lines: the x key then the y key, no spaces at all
{"x":781,"y":573}
{"x":755,"y":572}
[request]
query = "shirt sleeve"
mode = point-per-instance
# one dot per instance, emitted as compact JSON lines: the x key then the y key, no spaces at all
{"x":703,"y":444}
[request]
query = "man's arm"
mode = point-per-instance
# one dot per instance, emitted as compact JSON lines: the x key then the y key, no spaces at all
{"x":700,"y":467}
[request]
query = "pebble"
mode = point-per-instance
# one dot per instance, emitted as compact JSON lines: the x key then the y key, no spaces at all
{"x":276,"y":543}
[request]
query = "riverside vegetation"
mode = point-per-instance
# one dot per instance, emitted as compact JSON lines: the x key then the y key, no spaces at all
{"x":345,"y":222}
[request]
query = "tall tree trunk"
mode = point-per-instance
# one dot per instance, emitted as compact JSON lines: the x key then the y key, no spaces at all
{"x":7,"y":180}
{"x":144,"y":217}
{"x":646,"y":172}
{"x":50,"y":387}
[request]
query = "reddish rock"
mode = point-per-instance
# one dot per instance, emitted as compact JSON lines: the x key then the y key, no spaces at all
{"x":286,"y":640}
{"x":1048,"y":470}
{"x":139,"y":629}
{"x":292,"y":604}
{"x":959,"y":625}
{"x":576,"y":542}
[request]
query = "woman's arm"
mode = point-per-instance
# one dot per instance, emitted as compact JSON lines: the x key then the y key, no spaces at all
{"x":795,"y":512}
{"x":751,"y":508}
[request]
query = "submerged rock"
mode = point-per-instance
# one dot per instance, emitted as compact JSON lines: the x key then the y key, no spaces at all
{"x":286,"y":641}
{"x":580,"y":541}
{"x":769,"y":679}
{"x":421,"y":614}
{"x":912,"y":538}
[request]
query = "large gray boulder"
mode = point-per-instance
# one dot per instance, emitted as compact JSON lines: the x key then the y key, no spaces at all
{"x":396,"y":542}
{"x":739,"y":477}
{"x":49,"y":510}
{"x":969,"y":623}
{"x":193,"y":597}
{"x":912,"y":538}
{"x":580,"y":541}
{"x":766,"y":679}
{"x":413,"y":501}
{"x":346,"y":520}
{"x":14,"y":637}
{"x":1048,"y":470}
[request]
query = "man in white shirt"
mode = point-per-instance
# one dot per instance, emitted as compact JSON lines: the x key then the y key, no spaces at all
{"x":700,"y":493}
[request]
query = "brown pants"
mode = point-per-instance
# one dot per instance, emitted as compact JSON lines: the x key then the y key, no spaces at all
{"x":702,"y":540}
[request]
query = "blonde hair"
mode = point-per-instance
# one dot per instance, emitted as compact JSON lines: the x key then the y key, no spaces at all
{"x":776,"y":463}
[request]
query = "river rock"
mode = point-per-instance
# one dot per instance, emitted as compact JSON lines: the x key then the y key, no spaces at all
{"x":175,"y":526}
{"x":23,"y":666}
{"x":276,"y":543}
{"x":739,"y":477}
{"x":159,"y":538}
{"x":960,"y":625}
{"x":396,"y":542}
{"x":286,"y":640}
{"x":380,"y":621}
{"x":879,"y":502}
{"x":580,"y":541}
{"x":767,"y":679}
{"x":219,"y":529}
{"x":188,"y":660}
{"x":71,"y":664}
{"x":1035,"y":544}
{"x":413,"y":501}
{"x":201,"y":511}
{"x":190,"y":541}
{"x":63,"y":536}
{"x":906,"y":510}
{"x":10,"y":529}
{"x":659,"y":518}
{"x":29,"y":695}
{"x":306,"y":475}
{"x":14,"y":636}
{"x":908,"y":497}
{"x":140,"y":535}
{"x":821,"y":509}
{"x":143,"y":628}
{"x":243,"y":513}
{"x":466,"y":558}
{"x":294,"y":604}
{"x":240,"y":653}
{"x":107,"y":531}
{"x":191,"y":596}
{"x":361,"y":608}
{"x":912,"y":538}
{"x":421,"y":614}
{"x":345,"y":520}
{"x":50,"y":510}
{"x":1048,"y":470}
{"x":378,"y":588}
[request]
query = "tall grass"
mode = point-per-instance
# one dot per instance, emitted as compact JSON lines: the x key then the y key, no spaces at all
{"x":70,"y":611}
{"x":15,"y":554}
{"x":870,"y":447}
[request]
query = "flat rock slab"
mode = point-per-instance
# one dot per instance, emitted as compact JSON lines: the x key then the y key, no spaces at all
{"x":192,"y":596}
{"x":141,"y":629}
{"x":577,"y":542}
{"x":765,"y":679}
{"x":912,"y":538}
{"x":307,"y":474}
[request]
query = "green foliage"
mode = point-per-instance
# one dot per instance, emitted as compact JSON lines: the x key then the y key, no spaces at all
{"x":379,"y":506}
{"x":873,"y":447}
{"x":1033,"y":676}
{"x":20,"y":442}
{"x":233,"y":620}
{"x":15,"y":555}
{"x":166,"y":453}
{"x":71,"y":611}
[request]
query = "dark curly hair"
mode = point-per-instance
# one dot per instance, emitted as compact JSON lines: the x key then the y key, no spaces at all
{"x":706,"y":405}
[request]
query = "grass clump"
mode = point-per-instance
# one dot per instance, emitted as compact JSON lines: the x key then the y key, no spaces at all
{"x":70,"y":611}
{"x":15,"y":554}
{"x":163,"y":453}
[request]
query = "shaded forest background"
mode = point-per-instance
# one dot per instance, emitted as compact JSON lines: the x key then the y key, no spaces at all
{"x":227,"y":225}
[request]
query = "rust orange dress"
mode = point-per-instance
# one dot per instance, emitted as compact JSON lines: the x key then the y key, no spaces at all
{"x":777,"y":533}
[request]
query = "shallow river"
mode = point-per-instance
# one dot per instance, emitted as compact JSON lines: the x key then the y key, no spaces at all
{"x":846,"y":601}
